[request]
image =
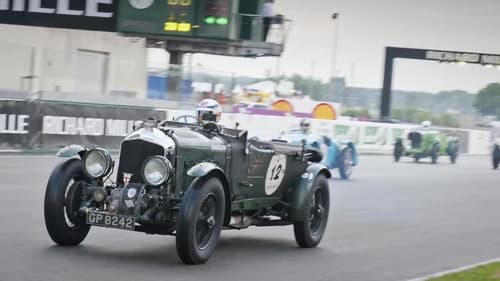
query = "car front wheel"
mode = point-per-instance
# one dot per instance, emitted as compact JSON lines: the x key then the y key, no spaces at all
{"x":453,"y":157}
{"x":308,"y":233}
{"x":200,"y":221}
{"x":62,"y":200}
{"x":496,"y":156}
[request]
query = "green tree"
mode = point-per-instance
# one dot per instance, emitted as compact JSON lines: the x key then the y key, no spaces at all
{"x":310,"y":87}
{"x":417,"y":116}
{"x":357,"y":113}
{"x":488,"y":100}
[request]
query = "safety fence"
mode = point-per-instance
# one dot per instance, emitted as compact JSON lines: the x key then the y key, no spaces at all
{"x":370,"y":137}
{"x":35,"y":125}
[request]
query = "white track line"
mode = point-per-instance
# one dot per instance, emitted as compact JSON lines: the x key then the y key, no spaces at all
{"x":463,"y":268}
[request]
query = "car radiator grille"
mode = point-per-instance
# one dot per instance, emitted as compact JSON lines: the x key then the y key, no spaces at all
{"x":132,"y":156}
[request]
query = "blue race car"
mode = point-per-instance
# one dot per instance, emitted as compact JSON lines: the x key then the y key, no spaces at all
{"x":341,"y":155}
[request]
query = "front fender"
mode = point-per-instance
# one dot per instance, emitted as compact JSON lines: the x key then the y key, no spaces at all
{"x":72,"y":150}
{"x":205,"y":170}
{"x":303,"y":188}
{"x":202,"y":169}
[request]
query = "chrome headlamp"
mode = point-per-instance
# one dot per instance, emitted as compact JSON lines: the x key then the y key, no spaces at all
{"x":97,"y":163}
{"x":156,"y":170}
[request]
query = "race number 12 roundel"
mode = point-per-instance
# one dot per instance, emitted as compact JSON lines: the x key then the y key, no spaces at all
{"x":275,"y":173}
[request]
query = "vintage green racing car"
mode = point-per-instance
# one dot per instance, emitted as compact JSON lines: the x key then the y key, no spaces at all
{"x":426,"y":142}
{"x":190,"y":181}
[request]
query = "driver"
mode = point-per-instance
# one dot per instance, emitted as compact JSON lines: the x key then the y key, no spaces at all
{"x":305,"y":126}
{"x":208,"y":111}
{"x":426,"y":124}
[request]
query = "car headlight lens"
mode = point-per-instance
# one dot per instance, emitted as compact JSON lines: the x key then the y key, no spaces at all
{"x":97,"y":163}
{"x":156,"y":170}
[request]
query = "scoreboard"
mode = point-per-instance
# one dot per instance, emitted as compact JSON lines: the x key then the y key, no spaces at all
{"x":183,"y":18}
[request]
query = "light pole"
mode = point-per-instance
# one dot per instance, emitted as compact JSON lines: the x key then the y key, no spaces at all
{"x":335,"y":17}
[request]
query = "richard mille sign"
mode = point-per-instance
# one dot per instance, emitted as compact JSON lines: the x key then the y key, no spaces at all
{"x":462,"y":57}
{"x":74,"y":14}
{"x":61,"y":7}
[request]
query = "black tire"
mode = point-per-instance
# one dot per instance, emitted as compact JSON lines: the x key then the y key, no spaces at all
{"x":309,"y":233}
{"x":435,"y":153}
{"x":496,"y":157}
{"x":62,"y":198}
{"x":345,"y":163}
{"x":398,"y":151}
{"x":453,"y":157}
{"x":205,"y":198}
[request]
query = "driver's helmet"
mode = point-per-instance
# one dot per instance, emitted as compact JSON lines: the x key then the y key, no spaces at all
{"x":426,"y":124}
{"x":210,"y":106}
{"x":305,"y":126}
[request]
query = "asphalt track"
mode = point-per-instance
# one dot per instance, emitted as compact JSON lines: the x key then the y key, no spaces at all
{"x":392,"y":221}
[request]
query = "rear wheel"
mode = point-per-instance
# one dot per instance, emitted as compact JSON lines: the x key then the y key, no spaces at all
{"x":398,"y":151}
{"x":496,"y":156}
{"x":200,"y":221}
{"x":62,"y":201}
{"x":346,"y":163}
{"x":453,"y":157}
{"x":308,"y":233}
{"x":434,"y":153}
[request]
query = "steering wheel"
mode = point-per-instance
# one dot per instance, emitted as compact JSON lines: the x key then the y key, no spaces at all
{"x":211,"y":127}
{"x":190,"y":119}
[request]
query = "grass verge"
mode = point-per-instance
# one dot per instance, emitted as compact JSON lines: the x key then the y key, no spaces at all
{"x":489,"y":272}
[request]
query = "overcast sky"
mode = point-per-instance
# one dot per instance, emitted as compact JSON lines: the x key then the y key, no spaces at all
{"x":365,"y":27}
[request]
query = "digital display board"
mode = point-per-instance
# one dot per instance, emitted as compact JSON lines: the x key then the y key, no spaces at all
{"x":214,"y":19}
{"x":185,"y":18}
{"x":167,"y":17}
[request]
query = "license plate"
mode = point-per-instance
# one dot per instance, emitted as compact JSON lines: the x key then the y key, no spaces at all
{"x":110,"y":220}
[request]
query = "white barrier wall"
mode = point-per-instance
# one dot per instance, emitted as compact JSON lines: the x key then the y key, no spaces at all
{"x":479,"y":142}
{"x":368,"y":136}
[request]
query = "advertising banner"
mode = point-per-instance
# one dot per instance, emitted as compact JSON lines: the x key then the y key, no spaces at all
{"x":104,"y":126}
{"x":15,"y":125}
{"x":97,"y":15}
{"x":51,"y":125}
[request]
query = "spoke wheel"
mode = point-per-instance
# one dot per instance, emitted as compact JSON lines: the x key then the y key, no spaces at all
{"x":346,"y":164}
{"x":206,"y":221}
{"x":62,"y":200}
{"x":317,"y":211}
{"x":310,"y":231}
{"x":200,"y":219}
